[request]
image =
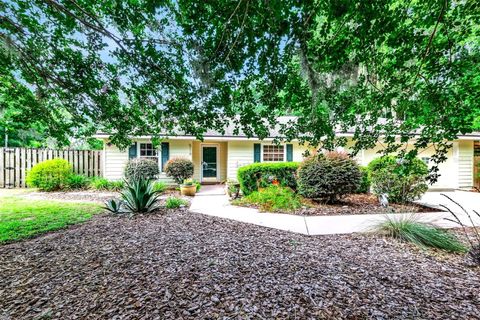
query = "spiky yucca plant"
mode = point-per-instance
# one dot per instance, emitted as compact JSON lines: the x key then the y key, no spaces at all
{"x":140,"y":196}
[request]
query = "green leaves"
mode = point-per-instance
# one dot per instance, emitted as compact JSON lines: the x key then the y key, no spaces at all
{"x":377,"y":69}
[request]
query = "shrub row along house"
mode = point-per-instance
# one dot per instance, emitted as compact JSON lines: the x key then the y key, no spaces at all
{"x":218,"y":157}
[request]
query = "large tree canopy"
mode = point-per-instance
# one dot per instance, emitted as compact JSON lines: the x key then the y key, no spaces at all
{"x":394,"y":69}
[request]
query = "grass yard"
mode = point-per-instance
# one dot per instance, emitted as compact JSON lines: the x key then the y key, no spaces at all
{"x":22,"y":218}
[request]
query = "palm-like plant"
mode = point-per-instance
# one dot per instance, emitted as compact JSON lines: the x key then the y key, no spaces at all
{"x":140,"y":196}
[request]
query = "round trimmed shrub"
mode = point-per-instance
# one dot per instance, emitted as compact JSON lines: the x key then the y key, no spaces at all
{"x":49,"y":175}
{"x":328,"y":177}
{"x":402,"y":180}
{"x":179,"y":169}
{"x":139,"y":168}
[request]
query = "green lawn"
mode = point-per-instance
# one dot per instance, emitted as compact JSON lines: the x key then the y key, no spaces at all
{"x":23,"y":218}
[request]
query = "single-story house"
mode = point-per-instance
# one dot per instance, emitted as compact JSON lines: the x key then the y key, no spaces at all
{"x":218,"y":157}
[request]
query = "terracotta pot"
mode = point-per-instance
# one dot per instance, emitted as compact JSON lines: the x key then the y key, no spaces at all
{"x":188,"y":190}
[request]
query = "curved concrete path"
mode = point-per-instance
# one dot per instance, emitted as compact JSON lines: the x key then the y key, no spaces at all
{"x":211,"y":200}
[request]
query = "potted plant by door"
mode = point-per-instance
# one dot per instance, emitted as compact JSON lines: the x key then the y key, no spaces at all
{"x":188,"y":188}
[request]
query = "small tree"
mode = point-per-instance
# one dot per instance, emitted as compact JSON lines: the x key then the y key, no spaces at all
{"x":179,"y":169}
{"x":328,"y":177}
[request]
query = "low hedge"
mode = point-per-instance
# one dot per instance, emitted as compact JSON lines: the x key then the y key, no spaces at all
{"x":262,"y":175}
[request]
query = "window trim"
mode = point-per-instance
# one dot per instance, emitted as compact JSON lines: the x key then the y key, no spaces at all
{"x":284,"y":145}
{"x":159,"y":154}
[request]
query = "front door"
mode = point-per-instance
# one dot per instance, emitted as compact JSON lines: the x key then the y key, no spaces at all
{"x":209,"y":162}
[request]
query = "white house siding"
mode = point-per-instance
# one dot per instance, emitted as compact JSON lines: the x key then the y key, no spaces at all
{"x":115,"y":161}
{"x":240,"y":153}
{"x":465,"y":163}
{"x":456,"y":172}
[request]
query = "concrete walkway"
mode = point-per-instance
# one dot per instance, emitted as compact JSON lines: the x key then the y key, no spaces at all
{"x":211,"y":200}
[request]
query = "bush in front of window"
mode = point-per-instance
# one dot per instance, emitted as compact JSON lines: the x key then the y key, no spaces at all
{"x":402,"y":180}
{"x":139,"y":168}
{"x":261,"y":175}
{"x":179,"y":169}
{"x":328,"y":177}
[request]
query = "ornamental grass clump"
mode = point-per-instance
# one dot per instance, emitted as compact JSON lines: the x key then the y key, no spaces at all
{"x":328,"y":177}
{"x":473,"y":238}
{"x":407,"y":228}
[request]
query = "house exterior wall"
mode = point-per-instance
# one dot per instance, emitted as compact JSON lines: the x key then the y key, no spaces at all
{"x":114,"y":162}
{"x":456,"y":172}
{"x":465,"y":163}
{"x":240,"y":153}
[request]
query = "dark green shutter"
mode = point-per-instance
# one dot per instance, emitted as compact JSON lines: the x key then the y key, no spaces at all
{"x":132,"y":151}
{"x":256,"y":152}
{"x":165,"y":153}
{"x":289,"y":152}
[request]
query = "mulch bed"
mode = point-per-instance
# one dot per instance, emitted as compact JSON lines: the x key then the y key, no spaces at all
{"x":361,"y":204}
{"x":181,"y":265}
{"x":86,"y":195}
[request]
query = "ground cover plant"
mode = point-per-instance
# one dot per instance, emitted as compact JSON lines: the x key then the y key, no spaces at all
{"x":23,"y":218}
{"x":77,"y":181}
{"x":99,"y":183}
{"x":328,"y":177}
{"x":174,"y":202}
{"x":424,"y":235}
{"x":260,"y":175}
{"x":402,"y":180}
{"x":273,"y":199}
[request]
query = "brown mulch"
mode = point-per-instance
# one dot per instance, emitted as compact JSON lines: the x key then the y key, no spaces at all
{"x":361,"y":204}
{"x":181,"y":265}
{"x":86,"y":195}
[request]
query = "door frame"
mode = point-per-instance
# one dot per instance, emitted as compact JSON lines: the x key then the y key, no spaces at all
{"x":217,"y":147}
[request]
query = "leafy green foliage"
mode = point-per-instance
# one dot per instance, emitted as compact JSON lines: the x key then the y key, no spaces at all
{"x":77,"y":181}
{"x":22,"y":218}
{"x":174,"y":202}
{"x":140,"y":196}
{"x":159,"y":186}
{"x":402,"y":180}
{"x":420,"y":234}
{"x":114,"y":206}
{"x":99,"y":183}
{"x":49,"y":175}
{"x":261,"y":175}
{"x":189,"y":66}
{"x":179,"y":169}
{"x":328,"y":177}
{"x":365,"y":181}
{"x":140,"y":168}
{"x":273,"y":199}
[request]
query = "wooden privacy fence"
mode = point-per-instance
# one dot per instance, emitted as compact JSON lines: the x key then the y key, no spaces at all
{"x":15,"y":162}
{"x":476,"y":171}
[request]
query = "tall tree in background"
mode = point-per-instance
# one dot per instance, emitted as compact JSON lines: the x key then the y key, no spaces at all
{"x":392,"y":69}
